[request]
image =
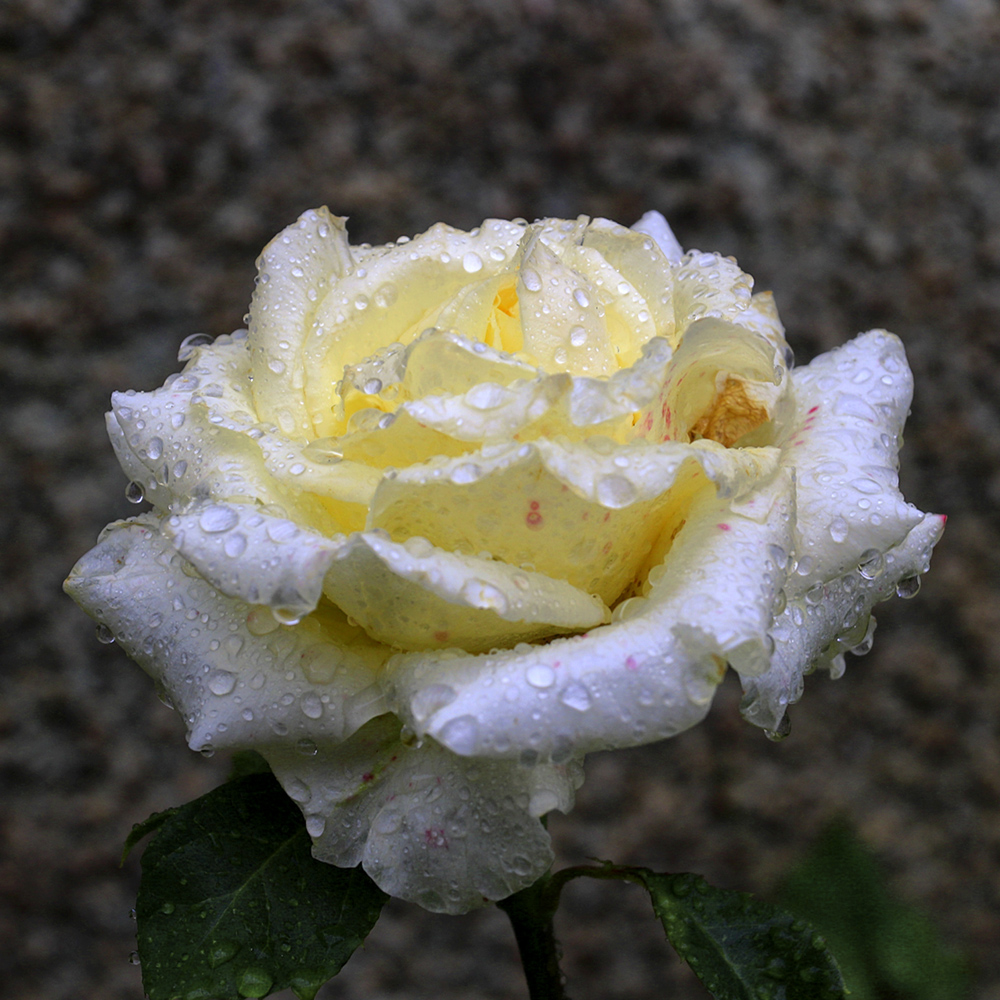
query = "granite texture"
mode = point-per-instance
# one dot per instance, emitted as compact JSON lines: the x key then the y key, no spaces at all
{"x":846,"y":151}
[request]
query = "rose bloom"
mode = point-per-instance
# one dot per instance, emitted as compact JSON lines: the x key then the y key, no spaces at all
{"x":456,"y":511}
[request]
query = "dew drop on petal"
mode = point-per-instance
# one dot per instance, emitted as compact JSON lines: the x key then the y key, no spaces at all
{"x":221,"y":682}
{"x":576,"y":696}
{"x":460,"y":735}
{"x":615,"y":491}
{"x":838,"y":529}
{"x":216,"y":519}
{"x":532,"y":282}
{"x":908,"y":587}
{"x":235,"y":544}
{"x":871,"y":565}
{"x":134,"y":492}
{"x":104,"y":634}
{"x":781,"y":732}
{"x":540,"y":676}
{"x":472,"y":262}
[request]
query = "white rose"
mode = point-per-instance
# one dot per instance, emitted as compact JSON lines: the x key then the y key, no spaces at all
{"x":460,"y":510}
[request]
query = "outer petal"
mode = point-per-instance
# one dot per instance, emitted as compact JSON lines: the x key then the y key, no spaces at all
{"x":236,"y":676}
{"x":648,"y":676}
{"x":832,"y":617}
{"x":253,"y":556}
{"x":653,"y":224}
{"x":844,"y":448}
{"x":198,"y":437}
{"x":440,"y":830}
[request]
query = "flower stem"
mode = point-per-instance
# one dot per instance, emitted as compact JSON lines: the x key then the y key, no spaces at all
{"x":530,"y":912}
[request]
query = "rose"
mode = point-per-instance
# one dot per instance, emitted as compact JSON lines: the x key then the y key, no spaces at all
{"x":457,"y":511}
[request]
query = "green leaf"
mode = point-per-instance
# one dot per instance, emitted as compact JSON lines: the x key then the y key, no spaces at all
{"x":884,"y":947}
{"x":741,"y":948}
{"x":143,"y":829}
{"x":248,"y":762}
{"x":232,"y":903}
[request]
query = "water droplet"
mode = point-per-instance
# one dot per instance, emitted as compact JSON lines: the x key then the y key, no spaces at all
{"x":276,"y":365}
{"x":581,"y":298}
{"x":134,"y":492}
{"x":871,"y":565}
{"x":467,"y":472}
{"x":540,"y":676}
{"x":221,"y":682}
{"x":221,"y":952}
{"x":216,"y":519}
{"x":255,"y":982}
{"x":315,"y":825}
{"x":306,"y":747}
{"x":781,"y":732}
{"x":460,"y":735}
{"x":576,"y":696}
{"x":373,"y":386}
{"x":190,"y":344}
{"x":133,"y":958}
{"x":154,"y":448}
{"x":298,"y":791}
{"x":838,"y":529}
{"x":530,"y":280}
{"x":260,"y":621}
{"x":325,"y":451}
{"x":361,"y":303}
{"x":235,"y":544}
{"x":472,"y":262}
{"x":104,"y":634}
{"x":312,"y":707}
{"x":287,"y":616}
{"x":615,"y":491}
{"x":578,"y":336}
{"x":908,"y":587}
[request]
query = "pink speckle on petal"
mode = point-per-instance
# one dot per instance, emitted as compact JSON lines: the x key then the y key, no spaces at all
{"x":435,"y":838}
{"x":814,"y":409}
{"x":723,"y":527}
{"x":533,"y":520}
{"x":534,"y":505}
{"x":630,"y":663}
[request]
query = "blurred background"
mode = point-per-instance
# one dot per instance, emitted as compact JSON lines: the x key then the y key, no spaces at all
{"x":845,"y":151}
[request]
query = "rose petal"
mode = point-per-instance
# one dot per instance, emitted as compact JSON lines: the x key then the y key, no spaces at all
{"x":588,"y":514}
{"x":197,"y":437}
{"x":708,"y":285}
{"x":850,"y":408}
{"x":807,"y":631}
{"x":235,"y":675}
{"x":428,"y":826}
{"x":650,"y":676}
{"x":653,"y":224}
{"x":295,"y":272}
{"x":548,"y":406}
{"x":416,"y":596}
{"x":562,"y":323}
{"x":256,"y":557}
{"x":395,"y":296}
{"x":723,"y":384}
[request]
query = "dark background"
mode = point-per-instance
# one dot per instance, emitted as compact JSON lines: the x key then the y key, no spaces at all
{"x":846,"y":151}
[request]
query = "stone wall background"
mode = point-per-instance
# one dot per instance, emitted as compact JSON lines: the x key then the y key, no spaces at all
{"x":846,"y":151}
